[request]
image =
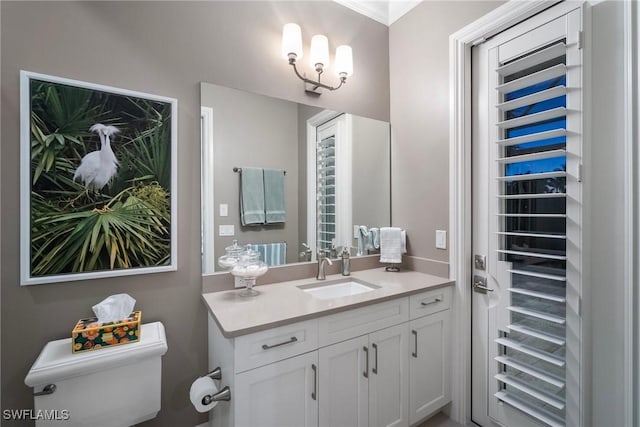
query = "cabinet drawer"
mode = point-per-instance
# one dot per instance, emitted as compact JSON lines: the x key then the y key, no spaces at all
{"x":429,"y":302}
{"x":262,"y":348}
{"x":352,"y":323}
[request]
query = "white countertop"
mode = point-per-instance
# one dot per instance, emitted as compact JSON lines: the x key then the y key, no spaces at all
{"x":282,"y":303}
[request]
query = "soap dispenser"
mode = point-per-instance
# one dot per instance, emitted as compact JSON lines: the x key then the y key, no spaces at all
{"x":346,"y":262}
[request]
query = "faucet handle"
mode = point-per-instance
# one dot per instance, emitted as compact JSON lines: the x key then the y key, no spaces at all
{"x":324,"y":254}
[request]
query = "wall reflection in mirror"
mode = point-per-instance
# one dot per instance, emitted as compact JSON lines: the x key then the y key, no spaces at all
{"x":307,"y":177}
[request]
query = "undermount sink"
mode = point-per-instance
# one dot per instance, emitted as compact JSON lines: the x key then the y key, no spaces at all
{"x":337,"y":289}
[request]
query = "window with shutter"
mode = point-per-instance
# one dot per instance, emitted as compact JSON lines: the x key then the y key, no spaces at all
{"x":326,"y":193}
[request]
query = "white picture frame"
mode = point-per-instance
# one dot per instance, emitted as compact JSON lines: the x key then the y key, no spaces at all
{"x":98,"y":195}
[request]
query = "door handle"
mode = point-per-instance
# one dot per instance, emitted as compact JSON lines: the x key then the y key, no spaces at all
{"x":480,"y":284}
{"x":366,"y":358}
{"x":375,"y":358}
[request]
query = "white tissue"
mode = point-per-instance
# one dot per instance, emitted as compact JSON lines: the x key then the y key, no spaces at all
{"x":113,"y":308}
{"x":203,"y":386}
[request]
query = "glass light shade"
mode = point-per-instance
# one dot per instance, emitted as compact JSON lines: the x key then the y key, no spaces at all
{"x":291,"y":40}
{"x":344,"y":60}
{"x":319,"y":51}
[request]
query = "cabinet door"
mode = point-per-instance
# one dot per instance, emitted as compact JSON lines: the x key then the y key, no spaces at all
{"x":343,"y":386}
{"x":429,"y":365}
{"x":389,"y":377}
{"x":280,"y":394}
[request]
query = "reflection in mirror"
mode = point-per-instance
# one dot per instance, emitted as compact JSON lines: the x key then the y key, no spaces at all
{"x":336,"y":170}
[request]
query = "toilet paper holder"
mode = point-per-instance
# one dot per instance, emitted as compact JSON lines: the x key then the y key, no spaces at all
{"x":222,"y":395}
{"x":216,"y":374}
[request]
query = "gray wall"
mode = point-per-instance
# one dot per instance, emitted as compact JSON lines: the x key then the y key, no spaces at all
{"x":257,"y":131}
{"x":166,"y":48}
{"x":419,"y":81}
{"x":305,"y":112}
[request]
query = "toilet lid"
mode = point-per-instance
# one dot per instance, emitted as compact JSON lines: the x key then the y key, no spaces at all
{"x":56,"y":361}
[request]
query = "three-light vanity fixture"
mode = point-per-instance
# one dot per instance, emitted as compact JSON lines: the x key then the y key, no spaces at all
{"x":319,"y":57}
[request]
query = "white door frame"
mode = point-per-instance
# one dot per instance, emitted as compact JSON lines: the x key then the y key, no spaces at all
{"x":206,"y":196}
{"x":460,"y":44}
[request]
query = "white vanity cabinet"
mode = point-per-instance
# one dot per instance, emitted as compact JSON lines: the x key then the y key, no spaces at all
{"x":430,"y":349}
{"x":389,"y":377}
{"x":364,"y":380}
{"x":343,"y":384}
{"x":272,"y":374}
{"x":385,"y":364}
{"x":279,"y":394}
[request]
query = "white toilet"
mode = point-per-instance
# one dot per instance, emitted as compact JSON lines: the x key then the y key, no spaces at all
{"x":111,"y":387}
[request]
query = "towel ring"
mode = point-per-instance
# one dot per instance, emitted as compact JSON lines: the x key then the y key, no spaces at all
{"x":394,"y":268}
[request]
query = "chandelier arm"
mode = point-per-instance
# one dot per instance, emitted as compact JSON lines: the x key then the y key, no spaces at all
{"x":315,"y":83}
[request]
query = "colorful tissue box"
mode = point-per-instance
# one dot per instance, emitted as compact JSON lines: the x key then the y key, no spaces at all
{"x":88,"y":334}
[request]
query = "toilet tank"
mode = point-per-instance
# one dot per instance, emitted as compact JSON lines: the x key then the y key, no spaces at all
{"x":111,"y":387}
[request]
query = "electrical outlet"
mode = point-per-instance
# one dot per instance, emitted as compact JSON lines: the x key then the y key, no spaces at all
{"x":441,"y":239}
{"x":224,"y":209}
{"x":226,"y":230}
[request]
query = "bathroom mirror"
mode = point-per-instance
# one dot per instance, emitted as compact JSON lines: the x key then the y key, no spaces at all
{"x":336,"y":170}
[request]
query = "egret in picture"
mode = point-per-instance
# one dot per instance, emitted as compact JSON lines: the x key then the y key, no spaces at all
{"x":99,"y":167}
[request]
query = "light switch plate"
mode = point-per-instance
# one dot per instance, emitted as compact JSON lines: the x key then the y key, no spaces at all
{"x":441,"y":239}
{"x":356,"y":229}
{"x":224,"y":209}
{"x":226,"y":230}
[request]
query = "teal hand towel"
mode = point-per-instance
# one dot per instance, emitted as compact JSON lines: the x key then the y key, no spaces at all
{"x":274,"y":196}
{"x":272,"y":253}
{"x":252,"y":196}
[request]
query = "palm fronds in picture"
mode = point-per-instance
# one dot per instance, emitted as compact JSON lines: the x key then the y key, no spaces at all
{"x":100,"y":180}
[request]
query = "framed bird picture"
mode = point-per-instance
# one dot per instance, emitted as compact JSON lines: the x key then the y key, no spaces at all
{"x":98,"y":181}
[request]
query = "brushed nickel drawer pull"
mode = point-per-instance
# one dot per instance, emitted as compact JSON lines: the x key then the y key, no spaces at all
{"x":366,"y":358}
{"x":375,"y":347}
{"x":415,"y":340}
{"x":437,"y":299}
{"x":269,"y":347}
{"x":315,"y":381}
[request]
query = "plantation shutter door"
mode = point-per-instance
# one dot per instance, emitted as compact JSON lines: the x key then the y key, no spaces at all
{"x":536,"y":216}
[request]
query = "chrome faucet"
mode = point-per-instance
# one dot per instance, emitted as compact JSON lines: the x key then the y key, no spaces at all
{"x":305,"y":255}
{"x":322,"y":260}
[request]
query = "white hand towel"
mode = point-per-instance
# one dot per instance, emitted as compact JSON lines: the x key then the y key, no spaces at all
{"x":391,"y":245}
